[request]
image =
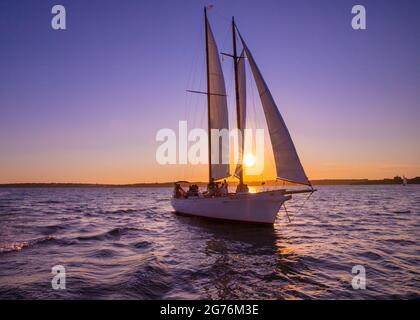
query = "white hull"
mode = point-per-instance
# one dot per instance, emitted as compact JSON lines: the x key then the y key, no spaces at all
{"x":259,"y":207}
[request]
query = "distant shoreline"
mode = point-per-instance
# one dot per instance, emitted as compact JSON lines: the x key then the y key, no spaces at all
{"x":394,"y":181}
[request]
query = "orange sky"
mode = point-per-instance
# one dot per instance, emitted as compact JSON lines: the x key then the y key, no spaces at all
{"x":131,"y":165}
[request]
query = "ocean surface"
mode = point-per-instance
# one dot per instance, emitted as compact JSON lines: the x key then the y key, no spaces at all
{"x":126,"y":243}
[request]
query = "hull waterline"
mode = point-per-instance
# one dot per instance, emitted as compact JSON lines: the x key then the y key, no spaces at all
{"x":259,"y":207}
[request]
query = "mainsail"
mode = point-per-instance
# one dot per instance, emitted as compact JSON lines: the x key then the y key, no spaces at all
{"x":241,"y":109}
{"x":287,"y":161}
{"x":218,"y":112}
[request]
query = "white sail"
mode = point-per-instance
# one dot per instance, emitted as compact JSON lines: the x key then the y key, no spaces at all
{"x":241,"y":108}
{"x":218,"y":109}
{"x":288,"y":165}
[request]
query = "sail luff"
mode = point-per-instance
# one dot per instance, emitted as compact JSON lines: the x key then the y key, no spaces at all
{"x":217,"y":110}
{"x":288,"y":165}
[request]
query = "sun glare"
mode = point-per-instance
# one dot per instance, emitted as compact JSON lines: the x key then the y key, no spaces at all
{"x":249,"y":160}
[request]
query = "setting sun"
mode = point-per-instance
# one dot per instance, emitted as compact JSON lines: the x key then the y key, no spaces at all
{"x":249,"y":160}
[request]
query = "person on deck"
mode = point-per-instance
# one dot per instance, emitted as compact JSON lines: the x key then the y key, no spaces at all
{"x":193,"y":190}
{"x":224,"y":188}
{"x":179,"y":192}
{"x":242,"y":188}
{"x":217,"y":192}
{"x":211,"y":187}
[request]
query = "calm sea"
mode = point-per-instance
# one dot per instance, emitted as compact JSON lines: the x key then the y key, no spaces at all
{"x":118,"y":243}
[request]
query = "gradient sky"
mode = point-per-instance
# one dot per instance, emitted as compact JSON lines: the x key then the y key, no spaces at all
{"x":84,"y":104}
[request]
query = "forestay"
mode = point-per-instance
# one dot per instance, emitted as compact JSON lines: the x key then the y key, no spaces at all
{"x":287,"y":161}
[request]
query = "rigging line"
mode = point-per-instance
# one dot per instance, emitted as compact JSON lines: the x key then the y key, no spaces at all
{"x":199,"y":67}
{"x":196,"y":56}
{"x":203,"y":92}
{"x":200,"y":81}
{"x":203,"y":123}
{"x":268,"y":150}
{"x":226,"y":36}
{"x":231,"y":95}
{"x":254,"y":112}
{"x":197,"y":169}
{"x":198,"y":99}
{"x":257,"y":119}
{"x":259,"y":124}
{"x":195,"y":62}
{"x":287,"y":213}
{"x":304,"y":202}
{"x":232,"y":115}
{"x":216,"y":16}
{"x":228,"y":88}
{"x":262,"y":123}
{"x":192,"y":115}
{"x":221,"y":17}
{"x":193,"y":102}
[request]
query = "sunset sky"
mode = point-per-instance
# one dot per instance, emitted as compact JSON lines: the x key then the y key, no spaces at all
{"x":85,"y":104}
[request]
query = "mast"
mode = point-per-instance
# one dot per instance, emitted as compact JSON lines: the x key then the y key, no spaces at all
{"x":208,"y":90}
{"x":238,"y":115}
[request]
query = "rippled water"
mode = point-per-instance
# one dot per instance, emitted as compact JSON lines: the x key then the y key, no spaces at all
{"x":127,"y":243}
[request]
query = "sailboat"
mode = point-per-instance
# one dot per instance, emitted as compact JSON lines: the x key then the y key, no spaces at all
{"x":242,"y":206}
{"x":404,"y":181}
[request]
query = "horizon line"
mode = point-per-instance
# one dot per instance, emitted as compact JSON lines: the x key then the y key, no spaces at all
{"x":3,"y":184}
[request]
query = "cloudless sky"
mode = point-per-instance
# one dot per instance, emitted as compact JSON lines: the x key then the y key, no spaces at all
{"x":84,"y":104}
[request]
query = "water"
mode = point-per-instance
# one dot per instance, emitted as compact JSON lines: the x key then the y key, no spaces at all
{"x":126,"y":243}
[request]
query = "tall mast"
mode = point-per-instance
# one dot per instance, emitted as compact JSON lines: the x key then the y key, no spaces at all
{"x":238,"y":111}
{"x":208,"y":90}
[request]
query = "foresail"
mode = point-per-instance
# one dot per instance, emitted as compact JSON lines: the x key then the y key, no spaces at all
{"x":241,"y":108}
{"x":218,"y":110}
{"x":287,"y":161}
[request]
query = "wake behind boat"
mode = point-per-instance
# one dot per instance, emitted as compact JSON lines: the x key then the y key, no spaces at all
{"x":260,"y":207}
